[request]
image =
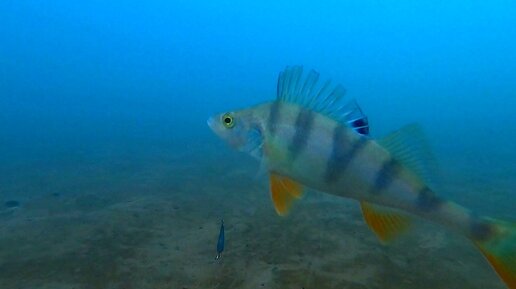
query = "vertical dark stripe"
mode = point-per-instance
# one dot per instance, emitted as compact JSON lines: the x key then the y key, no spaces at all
{"x":427,"y":201}
{"x":273,"y":117}
{"x":343,"y":152}
{"x":387,"y":173}
{"x":480,"y":230}
{"x":303,"y":126}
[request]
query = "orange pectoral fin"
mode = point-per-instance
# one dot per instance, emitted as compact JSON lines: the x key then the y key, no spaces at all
{"x":386,"y":224}
{"x":283,"y":192}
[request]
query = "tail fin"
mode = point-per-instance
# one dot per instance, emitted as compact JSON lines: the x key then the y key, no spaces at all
{"x":500,"y":250}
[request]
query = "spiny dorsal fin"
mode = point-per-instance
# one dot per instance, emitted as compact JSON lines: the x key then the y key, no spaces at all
{"x":384,"y":222}
{"x":323,"y":98}
{"x":283,"y":192}
{"x":409,"y":146}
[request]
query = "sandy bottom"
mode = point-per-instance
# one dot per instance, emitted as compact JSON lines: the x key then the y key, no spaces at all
{"x":152,"y":222}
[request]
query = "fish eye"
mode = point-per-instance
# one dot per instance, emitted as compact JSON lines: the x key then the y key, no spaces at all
{"x":228,"y":121}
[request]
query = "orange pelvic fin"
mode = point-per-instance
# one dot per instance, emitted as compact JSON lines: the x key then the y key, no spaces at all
{"x":283,"y":192}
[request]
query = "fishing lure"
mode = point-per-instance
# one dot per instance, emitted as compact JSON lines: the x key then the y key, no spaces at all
{"x":220,"y":241}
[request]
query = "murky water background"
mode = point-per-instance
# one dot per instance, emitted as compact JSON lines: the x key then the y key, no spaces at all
{"x":148,"y":217}
{"x":110,"y":178}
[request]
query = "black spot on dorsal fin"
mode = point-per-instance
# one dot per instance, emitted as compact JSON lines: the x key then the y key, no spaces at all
{"x":355,"y":118}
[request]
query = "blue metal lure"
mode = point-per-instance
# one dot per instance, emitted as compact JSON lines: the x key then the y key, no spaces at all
{"x":220,"y":242}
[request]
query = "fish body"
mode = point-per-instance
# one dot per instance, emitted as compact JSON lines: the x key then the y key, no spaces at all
{"x":328,"y":156}
{"x":307,"y":139}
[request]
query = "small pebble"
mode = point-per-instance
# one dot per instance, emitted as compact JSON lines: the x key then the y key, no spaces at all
{"x":12,"y":204}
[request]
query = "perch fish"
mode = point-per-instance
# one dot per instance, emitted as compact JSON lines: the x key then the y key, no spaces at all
{"x":307,"y":138}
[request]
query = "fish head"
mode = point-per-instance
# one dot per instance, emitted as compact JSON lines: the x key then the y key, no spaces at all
{"x":241,"y":129}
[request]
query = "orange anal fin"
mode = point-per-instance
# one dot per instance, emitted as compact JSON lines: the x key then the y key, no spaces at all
{"x":283,"y":192}
{"x":385,"y":223}
{"x":504,"y":270}
{"x":500,"y":250}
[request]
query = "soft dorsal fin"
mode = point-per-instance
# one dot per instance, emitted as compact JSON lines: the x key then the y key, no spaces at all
{"x":324,"y":98}
{"x":385,"y":223}
{"x":283,"y":192}
{"x":409,"y":146}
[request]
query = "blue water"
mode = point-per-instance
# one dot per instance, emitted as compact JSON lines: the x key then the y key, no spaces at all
{"x":120,"y":183}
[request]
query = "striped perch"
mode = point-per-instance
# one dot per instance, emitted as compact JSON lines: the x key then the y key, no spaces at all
{"x":307,"y":139}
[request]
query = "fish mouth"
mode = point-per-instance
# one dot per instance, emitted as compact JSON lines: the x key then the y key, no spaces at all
{"x":210,"y":122}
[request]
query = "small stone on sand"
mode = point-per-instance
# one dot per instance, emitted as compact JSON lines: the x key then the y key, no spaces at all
{"x":12,"y":204}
